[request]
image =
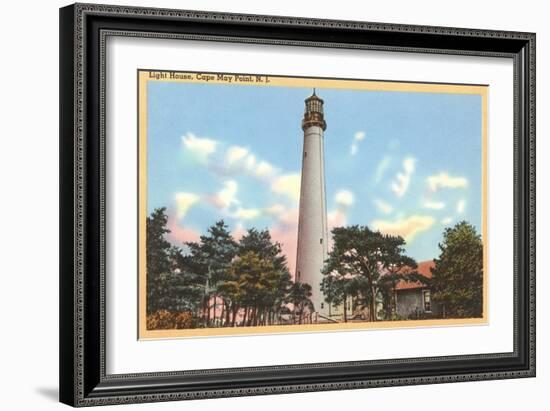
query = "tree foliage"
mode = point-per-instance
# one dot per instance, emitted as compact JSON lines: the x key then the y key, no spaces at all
{"x":171,"y":285}
{"x":165,"y":320}
{"x":300,"y":297}
{"x":271,"y":301}
{"x":358,"y":264}
{"x":457,"y":278}
{"x":210,"y":259}
{"x":218,"y":280}
{"x":158,"y":259}
{"x":256,"y":280}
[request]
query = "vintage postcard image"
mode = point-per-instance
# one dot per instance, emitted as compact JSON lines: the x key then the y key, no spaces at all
{"x":272,"y":204}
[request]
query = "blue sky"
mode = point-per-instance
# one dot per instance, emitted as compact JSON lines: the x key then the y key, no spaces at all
{"x":406,"y":163}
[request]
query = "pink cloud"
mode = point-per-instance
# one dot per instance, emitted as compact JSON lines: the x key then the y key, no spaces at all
{"x":289,"y":218}
{"x":179,"y":234}
{"x":288,"y":240}
{"x":238,"y":232}
{"x":285,"y":232}
{"x":214,"y":200}
{"x":336,"y":218}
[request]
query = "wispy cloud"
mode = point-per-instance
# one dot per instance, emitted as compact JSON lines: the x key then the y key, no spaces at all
{"x":228,"y":203}
{"x":227,"y":161}
{"x":446,"y":220}
{"x":382,"y":206}
{"x":357,"y":137}
{"x":236,"y":154}
{"x":381,"y":169}
{"x":444,"y":180}
{"x":240,"y":160}
{"x":461,"y":206}
{"x":344,"y":198}
{"x":184,"y":202}
{"x":408,"y":228}
{"x":275,"y":209}
{"x":234,"y":161}
{"x":264,"y":170}
{"x":226,"y":197}
{"x":434,"y":205}
{"x":200,"y":147}
{"x":288,"y":185}
{"x":247,"y":213}
{"x":402,"y":180}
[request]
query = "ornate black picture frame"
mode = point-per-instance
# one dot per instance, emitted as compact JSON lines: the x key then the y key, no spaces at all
{"x":83,"y":32}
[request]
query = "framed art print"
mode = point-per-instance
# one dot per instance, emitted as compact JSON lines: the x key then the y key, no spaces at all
{"x":270,"y":237}
{"x":260,"y":204}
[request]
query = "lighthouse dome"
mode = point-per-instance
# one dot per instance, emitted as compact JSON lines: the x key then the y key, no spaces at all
{"x":313,"y":113}
{"x":314,"y":104}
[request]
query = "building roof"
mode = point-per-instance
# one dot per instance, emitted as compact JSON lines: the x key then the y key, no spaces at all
{"x":424,"y":268}
{"x":314,"y":96}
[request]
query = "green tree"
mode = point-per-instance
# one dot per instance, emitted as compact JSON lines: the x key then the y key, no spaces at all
{"x":260,"y":243}
{"x":300,"y":297}
{"x":158,"y":259}
{"x":457,"y":278}
{"x":336,"y":288}
{"x":358,"y":262}
{"x":252,"y":281}
{"x":184,"y":287}
{"x":171,"y":286}
{"x":210,"y":259}
{"x":233,"y":292}
{"x":280,"y":295}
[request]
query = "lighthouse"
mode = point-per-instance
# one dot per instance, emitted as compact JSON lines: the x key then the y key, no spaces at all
{"x":312,"y":223}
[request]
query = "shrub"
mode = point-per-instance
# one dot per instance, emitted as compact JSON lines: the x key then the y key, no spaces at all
{"x":166,"y":320}
{"x":184,"y":320}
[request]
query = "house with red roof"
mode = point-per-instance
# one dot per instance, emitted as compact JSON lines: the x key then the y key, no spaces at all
{"x":413,"y":297}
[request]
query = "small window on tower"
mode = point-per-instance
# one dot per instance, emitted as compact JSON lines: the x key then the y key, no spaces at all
{"x":298,"y":276}
{"x":320,"y":241}
{"x":305,"y":154}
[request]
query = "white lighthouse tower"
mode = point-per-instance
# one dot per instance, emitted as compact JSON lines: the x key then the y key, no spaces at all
{"x":312,"y":224}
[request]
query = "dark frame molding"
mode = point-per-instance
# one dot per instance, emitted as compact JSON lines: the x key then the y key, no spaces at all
{"x":83,"y":32}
